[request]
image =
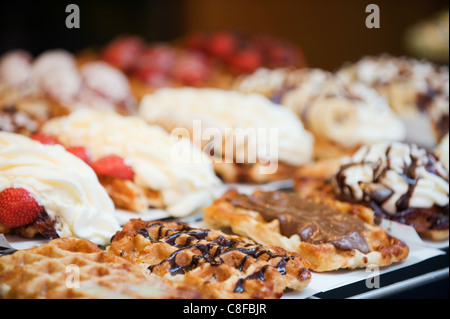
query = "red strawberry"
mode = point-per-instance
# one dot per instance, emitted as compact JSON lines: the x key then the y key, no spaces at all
{"x":246,"y":61}
{"x":45,"y":139}
{"x":18,"y":207}
{"x":123,"y":51}
{"x":80,"y":152}
{"x":192,"y":69}
{"x":113,"y":166}
{"x":222,"y":44}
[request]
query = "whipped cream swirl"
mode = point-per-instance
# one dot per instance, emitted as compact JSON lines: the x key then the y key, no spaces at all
{"x":396,"y":176}
{"x":63,"y":184}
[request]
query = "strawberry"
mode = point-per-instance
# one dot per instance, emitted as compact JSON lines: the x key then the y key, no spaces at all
{"x":18,"y":207}
{"x":123,"y":51}
{"x":222,"y":44}
{"x":80,"y":152}
{"x":113,"y":166}
{"x":45,"y":138}
{"x":192,"y":69}
{"x":246,"y":61}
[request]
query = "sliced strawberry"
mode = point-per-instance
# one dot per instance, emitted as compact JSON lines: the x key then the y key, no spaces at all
{"x":18,"y":207}
{"x":113,"y":166}
{"x":45,"y":138}
{"x":80,"y":152}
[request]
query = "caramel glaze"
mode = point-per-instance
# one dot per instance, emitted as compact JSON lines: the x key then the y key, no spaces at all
{"x":314,"y":223}
{"x":211,"y":251}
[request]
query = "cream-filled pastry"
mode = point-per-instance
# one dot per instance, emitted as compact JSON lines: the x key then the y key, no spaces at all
{"x":46,"y":190}
{"x":140,"y":165}
{"x":251,"y":138}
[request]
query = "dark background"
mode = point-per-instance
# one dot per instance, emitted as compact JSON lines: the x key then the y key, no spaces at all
{"x":330,"y":32}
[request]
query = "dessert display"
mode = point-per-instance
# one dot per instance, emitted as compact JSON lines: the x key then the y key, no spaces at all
{"x":342,"y":116}
{"x":398,"y":181}
{"x":47,"y":191}
{"x":413,"y":88}
{"x":53,"y":84}
{"x":328,"y":237}
{"x":250,"y":138}
{"x":216,"y":264}
{"x":220,"y":166}
{"x":139,"y":165}
{"x":74,"y":268}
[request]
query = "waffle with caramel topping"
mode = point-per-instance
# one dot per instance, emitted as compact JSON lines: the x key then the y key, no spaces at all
{"x":329,"y":236}
{"x":216,"y":264}
{"x":76,"y":268}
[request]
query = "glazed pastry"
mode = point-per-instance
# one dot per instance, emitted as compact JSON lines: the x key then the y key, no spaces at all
{"x":214,"y":263}
{"x":48,"y":191}
{"x":400,"y":182}
{"x":413,"y":89}
{"x":74,"y":268}
{"x":341,"y":116}
{"x":139,"y":165}
{"x":252,"y":139}
{"x":53,"y":85}
{"x":329,"y":237}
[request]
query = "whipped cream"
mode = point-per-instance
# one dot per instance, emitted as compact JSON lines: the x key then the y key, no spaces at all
{"x":226,"y":112}
{"x":442,"y":150}
{"x":396,"y":176}
{"x":179,"y":170}
{"x":63,"y":184}
{"x":348,"y":114}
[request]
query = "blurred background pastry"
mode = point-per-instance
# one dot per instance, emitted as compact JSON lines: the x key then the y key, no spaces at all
{"x":251,"y":138}
{"x":428,"y":38}
{"x":342,"y":116}
{"x":417,"y":90}
{"x":53,"y":84}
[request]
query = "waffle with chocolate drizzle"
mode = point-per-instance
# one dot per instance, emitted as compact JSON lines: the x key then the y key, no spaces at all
{"x":216,"y":264}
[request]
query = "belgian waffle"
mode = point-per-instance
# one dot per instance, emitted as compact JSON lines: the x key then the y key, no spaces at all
{"x":216,"y":264}
{"x":330,"y":235}
{"x":77,"y":268}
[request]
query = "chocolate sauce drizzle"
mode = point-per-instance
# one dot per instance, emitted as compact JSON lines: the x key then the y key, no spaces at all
{"x":377,"y":193}
{"x":211,"y":251}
